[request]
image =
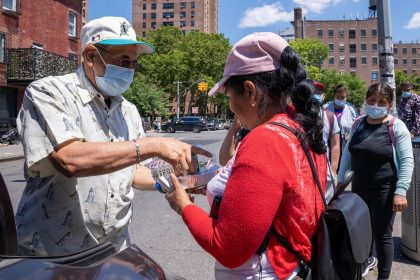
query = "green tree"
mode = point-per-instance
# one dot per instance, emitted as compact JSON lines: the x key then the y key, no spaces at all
{"x":312,"y":52}
{"x":149,"y":99}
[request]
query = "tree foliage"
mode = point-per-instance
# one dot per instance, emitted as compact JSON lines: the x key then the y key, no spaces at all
{"x":190,"y":59}
{"x":312,"y":52}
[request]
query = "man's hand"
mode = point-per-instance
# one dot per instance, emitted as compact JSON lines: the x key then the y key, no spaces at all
{"x":399,"y":203}
{"x":175,"y":152}
{"x":178,"y":199}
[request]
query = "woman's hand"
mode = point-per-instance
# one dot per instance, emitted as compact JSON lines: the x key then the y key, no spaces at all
{"x":178,"y":199}
{"x":399,"y":203}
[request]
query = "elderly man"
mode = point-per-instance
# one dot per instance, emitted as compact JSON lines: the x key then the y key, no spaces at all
{"x":409,"y":109}
{"x":83,"y":145}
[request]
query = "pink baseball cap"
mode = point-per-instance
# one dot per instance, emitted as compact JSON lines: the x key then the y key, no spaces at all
{"x":255,"y":53}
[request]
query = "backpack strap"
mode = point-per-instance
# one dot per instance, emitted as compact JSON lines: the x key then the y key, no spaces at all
{"x":391,"y":130}
{"x":357,"y":123}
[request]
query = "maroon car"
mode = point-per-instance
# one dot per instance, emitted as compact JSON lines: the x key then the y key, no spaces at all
{"x":99,"y":262}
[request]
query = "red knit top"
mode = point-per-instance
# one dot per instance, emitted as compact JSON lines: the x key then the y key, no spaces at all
{"x":271,"y":182}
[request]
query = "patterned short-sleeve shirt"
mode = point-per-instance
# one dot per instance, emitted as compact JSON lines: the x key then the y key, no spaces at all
{"x":59,"y":215}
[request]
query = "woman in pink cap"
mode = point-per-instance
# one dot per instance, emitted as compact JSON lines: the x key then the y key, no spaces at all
{"x":268,"y":184}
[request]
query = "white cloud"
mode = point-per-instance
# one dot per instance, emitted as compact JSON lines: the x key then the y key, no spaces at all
{"x":316,"y":6}
{"x":414,"y":21}
{"x":265,"y":15}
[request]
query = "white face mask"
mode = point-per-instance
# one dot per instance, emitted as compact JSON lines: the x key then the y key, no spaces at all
{"x":406,"y":94}
{"x":116,"y":79}
{"x":376,"y":112}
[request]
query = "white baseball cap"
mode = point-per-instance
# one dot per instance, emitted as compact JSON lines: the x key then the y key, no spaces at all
{"x":115,"y":31}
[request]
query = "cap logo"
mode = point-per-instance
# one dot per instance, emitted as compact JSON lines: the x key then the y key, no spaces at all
{"x":124,"y":28}
{"x":96,"y":37}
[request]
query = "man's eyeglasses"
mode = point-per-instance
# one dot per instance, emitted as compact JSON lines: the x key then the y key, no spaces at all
{"x":125,"y":63}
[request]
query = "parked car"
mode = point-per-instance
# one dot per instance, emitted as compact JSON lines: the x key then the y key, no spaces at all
{"x":10,"y":137}
{"x":101,"y":262}
{"x":190,"y":123}
{"x":228,"y":123}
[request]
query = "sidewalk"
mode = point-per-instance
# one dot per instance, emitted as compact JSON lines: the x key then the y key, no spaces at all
{"x":10,"y":152}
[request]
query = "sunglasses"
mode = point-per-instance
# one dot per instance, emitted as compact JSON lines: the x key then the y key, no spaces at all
{"x":125,"y":63}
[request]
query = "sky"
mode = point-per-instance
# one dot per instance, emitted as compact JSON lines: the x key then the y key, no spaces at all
{"x":238,"y":18}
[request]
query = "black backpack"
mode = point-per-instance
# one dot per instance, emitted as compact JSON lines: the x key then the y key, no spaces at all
{"x":343,"y":237}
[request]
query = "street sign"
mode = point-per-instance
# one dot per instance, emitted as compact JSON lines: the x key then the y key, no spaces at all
{"x":194,"y":110}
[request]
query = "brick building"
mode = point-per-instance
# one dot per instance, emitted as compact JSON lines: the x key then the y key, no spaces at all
{"x":85,"y":5}
{"x":186,"y":14}
{"x":35,"y":42}
{"x":353,"y":46}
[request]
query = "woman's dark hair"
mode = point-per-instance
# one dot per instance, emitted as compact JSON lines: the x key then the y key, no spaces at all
{"x":340,"y":88}
{"x":287,"y":83}
{"x":381,"y":89}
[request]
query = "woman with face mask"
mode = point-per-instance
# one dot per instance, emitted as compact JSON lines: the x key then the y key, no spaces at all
{"x":379,"y":151}
{"x":344,"y":111}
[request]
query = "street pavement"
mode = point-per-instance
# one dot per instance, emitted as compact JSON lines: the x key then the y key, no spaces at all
{"x":160,"y":232}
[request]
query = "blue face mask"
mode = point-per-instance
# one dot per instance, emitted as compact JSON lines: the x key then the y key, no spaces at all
{"x":376,"y":112}
{"x":318,"y":98}
{"x":406,"y":94}
{"x":116,"y":79}
{"x":339,"y":103}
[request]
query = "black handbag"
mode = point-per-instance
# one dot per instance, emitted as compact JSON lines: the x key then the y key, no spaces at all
{"x":343,"y":237}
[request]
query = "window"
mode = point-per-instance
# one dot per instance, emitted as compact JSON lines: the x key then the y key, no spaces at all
{"x":153,"y":25}
{"x":374,"y":75}
{"x":374,"y":33}
{"x":363,"y":33}
{"x":374,"y":60}
{"x":184,"y":32}
{"x":144,"y":24}
{"x":341,"y":47}
{"x":414,"y":61}
{"x":144,"y":16}
{"x":183,"y":23}
{"x":73,"y":57}
{"x":168,"y":15}
{"x":342,"y":60}
{"x":331,"y":47}
{"x":353,"y":73}
{"x":319,"y":32}
{"x":364,"y":60}
{"x":153,"y":6}
{"x":374,"y":47}
{"x":192,"y":14}
{"x":341,"y":32}
{"x":395,"y":50}
{"x":72,"y":24}
{"x":363,"y":47}
{"x":404,"y":61}
{"x":183,"y":5}
{"x":192,"y":5}
{"x":352,"y":48}
{"x":144,"y":6}
{"x":192,"y":23}
{"x":2,"y":48}
{"x":352,"y":34}
{"x":413,"y":50}
{"x":168,"y":23}
{"x":353,"y":62}
{"x":330,"y":33}
{"x":9,"y":5}
{"x":395,"y":61}
{"x":183,"y":15}
{"x":168,"y":6}
{"x":331,"y":61}
{"x":404,"y":50}
{"x":405,"y":71}
{"x":153,"y":16}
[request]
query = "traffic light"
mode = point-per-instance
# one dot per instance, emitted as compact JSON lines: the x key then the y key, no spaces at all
{"x":203,"y":86}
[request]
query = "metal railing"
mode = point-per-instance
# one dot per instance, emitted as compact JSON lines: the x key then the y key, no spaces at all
{"x":29,"y":64}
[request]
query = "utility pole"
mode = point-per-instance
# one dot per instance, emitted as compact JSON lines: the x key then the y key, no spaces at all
{"x":177,"y":98}
{"x":386,"y":48}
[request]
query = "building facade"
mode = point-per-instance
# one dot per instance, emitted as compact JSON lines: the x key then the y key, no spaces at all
{"x":35,"y":42}
{"x":85,"y":5}
{"x":186,"y":14}
{"x":353,"y":46}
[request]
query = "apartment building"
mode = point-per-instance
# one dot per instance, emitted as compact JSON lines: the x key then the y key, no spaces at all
{"x":353,"y":46}
{"x":35,"y":42}
{"x":187,"y":15}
